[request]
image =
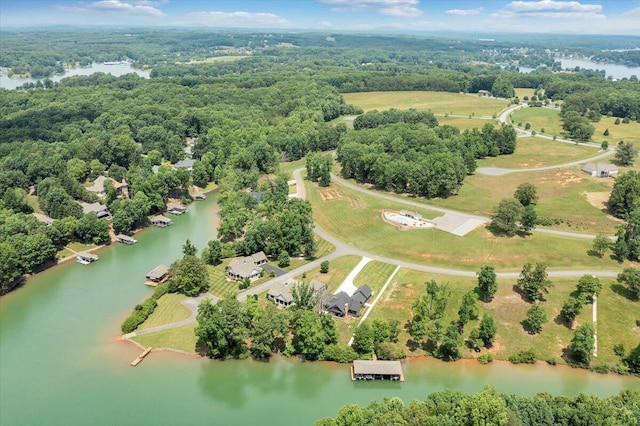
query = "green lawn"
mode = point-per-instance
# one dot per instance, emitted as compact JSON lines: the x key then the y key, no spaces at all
{"x":338,"y":270}
{"x":465,"y":123}
{"x":538,"y":152}
{"x":323,"y":247}
{"x":540,"y":118}
{"x":374,"y":274}
{"x":437,"y":102}
{"x":288,"y":167}
{"x":629,"y":132}
{"x":521,"y":93}
{"x":562,"y":195}
{"x":616,"y":324}
{"x":33,"y":202}
{"x":364,"y":228}
{"x":64,"y":253}
{"x":181,"y":338}
{"x":78,"y":247}
{"x":169,"y":310}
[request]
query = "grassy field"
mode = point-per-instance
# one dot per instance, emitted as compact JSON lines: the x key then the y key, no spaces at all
{"x":521,"y":93}
{"x":33,"y":202}
{"x":550,"y":120}
{"x":288,"y":167}
{"x":465,"y":123}
{"x":364,"y":228}
{"x":338,"y":270}
{"x":557,"y":189}
{"x":78,"y":247}
{"x":213,"y":59}
{"x":374,"y":274}
{"x":181,"y":338}
{"x":437,"y":102}
{"x":168,"y":310}
{"x":615,"y":324}
{"x":538,"y":152}
{"x":61,"y":254}
{"x":539,"y":118}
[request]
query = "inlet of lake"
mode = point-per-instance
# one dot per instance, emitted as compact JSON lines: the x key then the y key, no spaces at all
{"x":61,"y":362}
{"x":113,"y":69}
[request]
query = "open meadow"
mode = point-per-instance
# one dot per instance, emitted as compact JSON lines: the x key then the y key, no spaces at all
{"x":436,"y":102}
{"x":364,"y":228}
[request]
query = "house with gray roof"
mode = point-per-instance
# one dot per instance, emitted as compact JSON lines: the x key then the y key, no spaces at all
{"x":602,"y":170}
{"x":98,"y":186}
{"x":241,"y":268}
{"x":187,"y":163}
{"x":341,"y":304}
{"x":100,"y":210}
{"x":281,"y":293}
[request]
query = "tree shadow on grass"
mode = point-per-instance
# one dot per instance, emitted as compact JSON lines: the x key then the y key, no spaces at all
{"x":593,"y":253}
{"x":521,"y":293}
{"x":561,"y":321}
{"x":622,"y":291}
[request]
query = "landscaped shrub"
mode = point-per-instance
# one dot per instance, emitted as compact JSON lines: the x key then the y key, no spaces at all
{"x":142,"y":311}
{"x":527,"y":356}
{"x":551,"y":361}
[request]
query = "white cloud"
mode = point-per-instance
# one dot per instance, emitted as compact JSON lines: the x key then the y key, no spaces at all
{"x":550,"y":9}
{"x":632,"y":12}
{"x":325,"y":24}
{"x":400,"y":8}
{"x":464,"y":12}
{"x":119,"y":7}
{"x":239,"y":19}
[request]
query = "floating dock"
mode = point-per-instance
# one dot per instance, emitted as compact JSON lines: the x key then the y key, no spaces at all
{"x":125,"y":239}
{"x":140,"y":357}
{"x":85,"y":258}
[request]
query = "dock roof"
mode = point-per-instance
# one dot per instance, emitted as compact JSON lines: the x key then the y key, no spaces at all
{"x":158,"y":272}
{"x":87,"y":255}
{"x":386,"y":368}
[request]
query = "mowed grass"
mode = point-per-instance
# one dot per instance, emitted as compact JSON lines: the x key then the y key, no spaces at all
{"x":181,"y":338}
{"x":521,"y":93}
{"x":338,"y":270}
{"x":540,"y":118}
{"x":374,"y":274}
{"x":616,"y":323}
{"x":437,"y":102}
{"x":464,"y":123}
{"x":213,"y":59}
{"x":364,"y":228}
{"x":550,"y":120}
{"x":169,"y":310}
{"x":539,"y":152}
{"x":562,"y":195}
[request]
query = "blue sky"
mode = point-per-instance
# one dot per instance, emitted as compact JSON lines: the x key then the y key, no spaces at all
{"x":583,"y":16}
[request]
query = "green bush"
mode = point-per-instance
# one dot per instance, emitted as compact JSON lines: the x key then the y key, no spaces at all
{"x":339,"y":353}
{"x":602,"y":369}
{"x":389,"y":351}
{"x":485,"y":358}
{"x":142,"y":311}
{"x":527,"y":356}
{"x":131,"y":323}
{"x":551,"y":361}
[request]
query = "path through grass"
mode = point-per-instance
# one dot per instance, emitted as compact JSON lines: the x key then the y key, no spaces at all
{"x":169,"y":310}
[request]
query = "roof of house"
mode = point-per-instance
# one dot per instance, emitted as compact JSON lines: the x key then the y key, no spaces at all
{"x":242,"y":266}
{"x":92,"y":208}
{"x":377,"y":367}
{"x":158,"y":272}
{"x":606,"y":167}
{"x":98,"y":184}
{"x":589,"y":167}
{"x":283,"y":290}
{"x":43,"y":218}
{"x":337,"y":302}
{"x":362,"y":294}
{"x":259,"y":257}
{"x":187,"y":163}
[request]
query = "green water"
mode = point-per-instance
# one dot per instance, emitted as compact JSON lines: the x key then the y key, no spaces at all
{"x":60,"y":364}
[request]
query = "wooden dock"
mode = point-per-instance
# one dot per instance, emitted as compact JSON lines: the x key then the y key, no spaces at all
{"x":140,"y":357}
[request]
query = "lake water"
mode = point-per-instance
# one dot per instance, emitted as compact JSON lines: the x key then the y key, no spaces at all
{"x":115,"y":70}
{"x":60,"y":363}
{"x":613,"y":70}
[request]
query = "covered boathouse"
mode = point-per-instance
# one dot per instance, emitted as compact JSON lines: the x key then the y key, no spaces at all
{"x":125,"y":239}
{"x":377,"y":370}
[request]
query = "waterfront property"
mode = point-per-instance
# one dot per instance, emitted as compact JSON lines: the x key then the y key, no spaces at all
{"x":160,"y":221}
{"x":242,"y":268}
{"x":125,"y":239}
{"x":377,"y":370}
{"x":157,"y":275}
{"x":100,"y":210}
{"x":186,"y":164}
{"x":86,"y":258}
{"x":200,"y":196}
{"x":341,"y":304}
{"x":602,"y":170}
{"x":98,"y":186}
{"x":281,"y":293}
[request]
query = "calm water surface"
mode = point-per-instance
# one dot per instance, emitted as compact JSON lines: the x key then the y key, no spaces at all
{"x":60,"y":364}
{"x":115,"y":70}
{"x":613,"y":70}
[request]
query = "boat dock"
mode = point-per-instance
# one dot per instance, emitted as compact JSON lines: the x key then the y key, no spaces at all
{"x":140,"y":357}
{"x":125,"y":239}
{"x":86,"y":258}
{"x":159,"y":275}
{"x":377,"y":370}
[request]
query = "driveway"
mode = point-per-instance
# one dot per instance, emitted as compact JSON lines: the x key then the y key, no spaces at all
{"x":277,"y":271}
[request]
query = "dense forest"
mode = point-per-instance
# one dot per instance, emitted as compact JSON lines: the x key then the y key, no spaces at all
{"x":487,"y":407}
